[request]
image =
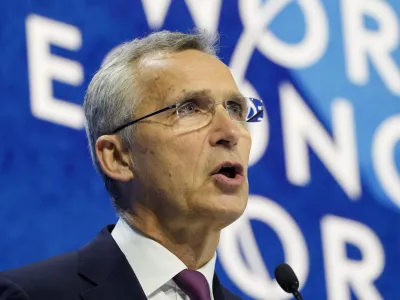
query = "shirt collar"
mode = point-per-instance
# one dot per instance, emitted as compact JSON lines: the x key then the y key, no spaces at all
{"x":153,"y":264}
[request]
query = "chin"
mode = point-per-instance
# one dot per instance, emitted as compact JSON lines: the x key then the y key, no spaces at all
{"x":226,"y":209}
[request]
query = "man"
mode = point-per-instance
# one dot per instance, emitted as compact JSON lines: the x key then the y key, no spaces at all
{"x":167,"y":130}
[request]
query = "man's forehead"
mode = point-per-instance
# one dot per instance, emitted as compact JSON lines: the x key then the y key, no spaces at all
{"x":167,"y":77}
{"x":178,"y":62}
{"x":161,"y":59}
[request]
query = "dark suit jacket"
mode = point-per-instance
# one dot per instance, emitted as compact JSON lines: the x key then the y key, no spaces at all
{"x":98,"y":271}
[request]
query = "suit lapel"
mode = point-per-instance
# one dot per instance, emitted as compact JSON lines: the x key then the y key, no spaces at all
{"x":217,"y":289}
{"x":221,"y":293}
{"x":103,"y":263}
{"x":121,"y":284}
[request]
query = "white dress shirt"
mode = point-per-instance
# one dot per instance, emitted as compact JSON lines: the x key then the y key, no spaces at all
{"x":154,"y":265}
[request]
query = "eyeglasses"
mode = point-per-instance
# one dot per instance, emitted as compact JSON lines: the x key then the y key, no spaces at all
{"x":198,"y":112}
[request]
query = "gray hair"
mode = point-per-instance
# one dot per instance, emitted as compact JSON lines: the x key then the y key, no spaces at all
{"x":114,"y":92}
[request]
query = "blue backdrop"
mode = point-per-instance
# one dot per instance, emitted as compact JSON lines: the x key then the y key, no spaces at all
{"x":325,"y":165}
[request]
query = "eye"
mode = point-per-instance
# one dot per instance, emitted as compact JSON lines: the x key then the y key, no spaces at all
{"x":236,"y":109}
{"x":187,"y":108}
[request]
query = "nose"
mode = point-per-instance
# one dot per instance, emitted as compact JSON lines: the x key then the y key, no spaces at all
{"x":224,"y":130}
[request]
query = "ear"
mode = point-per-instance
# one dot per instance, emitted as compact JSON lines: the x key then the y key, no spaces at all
{"x":114,"y":159}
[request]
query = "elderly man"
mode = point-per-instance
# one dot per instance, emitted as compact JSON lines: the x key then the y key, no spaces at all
{"x":167,"y":128}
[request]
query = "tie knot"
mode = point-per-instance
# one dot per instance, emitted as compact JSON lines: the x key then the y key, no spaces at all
{"x":194,"y":284}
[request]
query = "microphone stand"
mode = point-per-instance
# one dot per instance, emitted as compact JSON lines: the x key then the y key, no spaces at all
{"x":297,"y":295}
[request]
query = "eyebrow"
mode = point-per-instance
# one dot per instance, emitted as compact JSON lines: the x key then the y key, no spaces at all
{"x":235,"y":96}
{"x":207,"y":93}
{"x":186,"y":95}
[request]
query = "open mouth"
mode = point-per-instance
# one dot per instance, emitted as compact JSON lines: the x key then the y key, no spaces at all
{"x":228,"y":176}
{"x":229,"y":170}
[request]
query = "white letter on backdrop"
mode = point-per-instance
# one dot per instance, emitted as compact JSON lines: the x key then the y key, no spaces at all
{"x":301,"y":129}
{"x":342,"y":273}
{"x":45,"y":67}
{"x":361,"y":44}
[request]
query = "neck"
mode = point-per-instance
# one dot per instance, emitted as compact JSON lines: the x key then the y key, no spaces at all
{"x":194,"y":245}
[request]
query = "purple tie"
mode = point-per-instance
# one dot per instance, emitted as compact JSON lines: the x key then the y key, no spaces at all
{"x":194,"y":284}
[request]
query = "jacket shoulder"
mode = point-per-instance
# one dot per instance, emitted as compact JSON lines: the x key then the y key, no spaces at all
{"x":51,"y":267}
{"x":9,"y":290}
{"x":49,"y":278}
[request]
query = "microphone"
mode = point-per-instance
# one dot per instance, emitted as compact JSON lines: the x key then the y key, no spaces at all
{"x":288,"y":281}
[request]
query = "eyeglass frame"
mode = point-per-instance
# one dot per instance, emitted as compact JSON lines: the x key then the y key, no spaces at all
{"x":172,"y":106}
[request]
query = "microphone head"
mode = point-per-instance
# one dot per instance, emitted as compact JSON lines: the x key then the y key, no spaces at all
{"x":286,"y":278}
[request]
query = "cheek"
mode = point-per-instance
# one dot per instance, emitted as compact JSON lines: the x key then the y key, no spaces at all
{"x":147,"y":155}
{"x":246,"y":146}
{"x":179,"y":158}
{"x":188,"y":152}
{"x":187,"y":160}
{"x":165,"y":156}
